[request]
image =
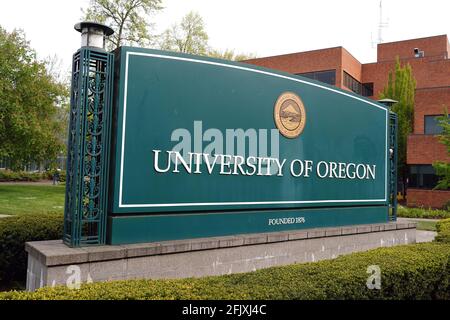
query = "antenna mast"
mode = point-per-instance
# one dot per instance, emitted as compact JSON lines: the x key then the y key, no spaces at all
{"x":381,"y":24}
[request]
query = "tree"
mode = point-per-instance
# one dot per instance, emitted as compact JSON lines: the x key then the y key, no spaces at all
{"x":230,"y":55}
{"x":128,"y":18}
{"x":62,"y":76}
{"x":188,"y":36}
{"x":401,"y":87}
{"x":30,"y":102}
{"x":443,"y":168}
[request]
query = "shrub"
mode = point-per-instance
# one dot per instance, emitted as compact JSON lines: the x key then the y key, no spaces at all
{"x":420,"y":271}
{"x":49,"y":175}
{"x":14,"y":232}
{"x":443,"y":229}
{"x":20,"y":176}
{"x":8,"y":175}
{"x":447,"y":206}
{"x":406,"y":212}
{"x":62,"y":176}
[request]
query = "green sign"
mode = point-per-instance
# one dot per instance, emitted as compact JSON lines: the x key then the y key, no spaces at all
{"x":205,"y":147}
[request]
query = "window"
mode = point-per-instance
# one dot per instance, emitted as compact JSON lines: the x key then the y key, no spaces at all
{"x":367,"y":89}
{"x":432,"y":125}
{"x":351,"y":83}
{"x":422,"y":177}
{"x":327,"y":76}
{"x":364,"y":89}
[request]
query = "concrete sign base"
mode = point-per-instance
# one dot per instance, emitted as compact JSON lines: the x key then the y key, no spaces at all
{"x":52,"y":263}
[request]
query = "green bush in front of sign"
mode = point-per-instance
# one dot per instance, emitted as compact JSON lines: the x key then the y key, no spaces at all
{"x":443,"y":229}
{"x":405,"y":212}
{"x":420,"y":271}
{"x":14,"y":232}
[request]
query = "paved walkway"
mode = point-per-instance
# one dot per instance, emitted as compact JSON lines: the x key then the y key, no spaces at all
{"x":425,"y":236}
{"x":421,"y":235}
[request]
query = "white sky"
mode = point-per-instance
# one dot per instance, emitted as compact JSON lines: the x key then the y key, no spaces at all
{"x":250,"y":26}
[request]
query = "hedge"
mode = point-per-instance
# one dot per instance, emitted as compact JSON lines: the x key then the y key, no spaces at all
{"x":443,"y":229}
{"x":49,"y":175}
{"x":18,"y":176}
{"x":8,"y":175}
{"x":420,"y":271}
{"x":14,"y":232}
{"x":406,"y":212}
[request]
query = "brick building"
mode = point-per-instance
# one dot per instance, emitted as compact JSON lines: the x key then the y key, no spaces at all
{"x":429,"y":59}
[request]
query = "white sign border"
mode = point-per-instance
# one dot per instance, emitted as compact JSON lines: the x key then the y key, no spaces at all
{"x":193,"y":204}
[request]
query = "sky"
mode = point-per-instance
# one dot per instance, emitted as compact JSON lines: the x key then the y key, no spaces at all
{"x":262,"y":27}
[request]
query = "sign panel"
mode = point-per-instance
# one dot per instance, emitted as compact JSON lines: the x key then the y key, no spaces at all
{"x":195,"y":135}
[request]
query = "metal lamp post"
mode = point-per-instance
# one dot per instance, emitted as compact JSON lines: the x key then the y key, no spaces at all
{"x":388,"y":102}
{"x":93,"y":34}
{"x":85,"y":211}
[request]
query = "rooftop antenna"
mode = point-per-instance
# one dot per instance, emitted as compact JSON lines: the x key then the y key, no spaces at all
{"x":381,"y":24}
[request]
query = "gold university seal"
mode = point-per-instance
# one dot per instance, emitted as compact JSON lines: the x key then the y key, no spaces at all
{"x":290,"y":115}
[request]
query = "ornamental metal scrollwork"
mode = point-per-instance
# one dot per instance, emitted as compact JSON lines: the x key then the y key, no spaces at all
{"x":85,"y":209}
{"x":393,"y":130}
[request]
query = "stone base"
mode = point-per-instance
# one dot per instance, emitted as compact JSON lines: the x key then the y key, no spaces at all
{"x":53,"y":263}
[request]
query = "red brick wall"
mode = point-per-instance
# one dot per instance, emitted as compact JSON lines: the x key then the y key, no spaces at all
{"x":302,"y":62}
{"x":317,"y":60}
{"x":428,"y":74}
{"x":425,"y":149}
{"x":350,"y":65}
{"x":433,"y":90}
{"x":434,"y":47}
{"x":430,"y":102}
{"x":378,"y":74}
{"x":427,"y":198}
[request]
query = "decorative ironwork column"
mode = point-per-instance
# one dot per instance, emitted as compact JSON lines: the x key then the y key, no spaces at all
{"x":85,"y":211}
{"x":393,"y":128}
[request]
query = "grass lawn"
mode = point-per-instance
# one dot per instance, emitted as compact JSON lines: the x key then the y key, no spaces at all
{"x":29,"y":198}
{"x":426,"y":225}
{"x":26,"y":199}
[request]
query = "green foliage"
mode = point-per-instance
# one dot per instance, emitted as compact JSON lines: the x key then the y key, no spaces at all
{"x":30,"y":104}
{"x":49,"y":175}
{"x":8,"y":175}
{"x":230,"y":55}
{"x":17,"y":199}
{"x":188,"y":36}
{"x":443,"y":168}
{"x":443,"y":229}
{"x":405,"y":212}
{"x":447,"y":205}
{"x":128,"y":18}
{"x":401,"y":87}
{"x":420,"y":271}
{"x":444,"y":122}
{"x":18,"y":176}
{"x":14,"y":232}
